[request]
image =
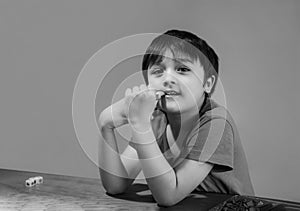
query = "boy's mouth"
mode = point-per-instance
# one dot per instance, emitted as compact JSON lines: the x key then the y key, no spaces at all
{"x":171,"y":93}
{"x":162,"y":94}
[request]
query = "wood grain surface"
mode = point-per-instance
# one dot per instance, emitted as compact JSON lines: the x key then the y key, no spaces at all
{"x":75,"y":193}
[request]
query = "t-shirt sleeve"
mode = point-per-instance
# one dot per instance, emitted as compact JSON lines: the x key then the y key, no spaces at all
{"x":211,"y":142}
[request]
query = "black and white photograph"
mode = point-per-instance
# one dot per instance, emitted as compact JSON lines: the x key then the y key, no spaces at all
{"x":149,"y":105}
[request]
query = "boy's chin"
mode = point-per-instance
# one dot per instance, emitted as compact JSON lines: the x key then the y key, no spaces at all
{"x":172,"y":105}
{"x":169,"y":108}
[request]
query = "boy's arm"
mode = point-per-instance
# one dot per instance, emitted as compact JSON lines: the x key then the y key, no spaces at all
{"x":117,"y":171}
{"x":168,"y":185}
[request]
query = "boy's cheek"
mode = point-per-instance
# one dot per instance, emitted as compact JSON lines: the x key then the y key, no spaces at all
{"x":154,"y":84}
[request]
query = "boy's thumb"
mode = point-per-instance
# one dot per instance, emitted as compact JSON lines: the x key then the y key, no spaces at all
{"x":159,"y":94}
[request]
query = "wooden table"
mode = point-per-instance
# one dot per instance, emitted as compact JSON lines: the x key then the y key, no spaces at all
{"x":76,"y":193}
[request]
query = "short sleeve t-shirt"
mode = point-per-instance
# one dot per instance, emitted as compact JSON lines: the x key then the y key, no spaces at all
{"x":213,"y":139}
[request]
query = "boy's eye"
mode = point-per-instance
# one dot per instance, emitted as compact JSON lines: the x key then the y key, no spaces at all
{"x":183,"y":69}
{"x":157,"y":71}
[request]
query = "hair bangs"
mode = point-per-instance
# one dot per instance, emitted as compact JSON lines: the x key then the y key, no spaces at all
{"x":179,"y":48}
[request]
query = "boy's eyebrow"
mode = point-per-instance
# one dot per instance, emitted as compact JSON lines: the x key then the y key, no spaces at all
{"x":157,"y":65}
{"x":186,"y":60}
{"x":178,"y":60}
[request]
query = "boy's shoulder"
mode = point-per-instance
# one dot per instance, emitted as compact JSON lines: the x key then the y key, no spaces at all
{"x":212,"y":110}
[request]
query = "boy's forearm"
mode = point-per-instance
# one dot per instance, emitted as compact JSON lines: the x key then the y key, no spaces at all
{"x":112,"y":171}
{"x":109,"y":157}
{"x":160,"y":176}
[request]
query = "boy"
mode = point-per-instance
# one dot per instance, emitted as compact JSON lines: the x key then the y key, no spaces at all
{"x":181,"y":139}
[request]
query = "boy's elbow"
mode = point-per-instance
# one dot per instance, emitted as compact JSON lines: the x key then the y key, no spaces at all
{"x":166,"y":201}
{"x":114,"y":190}
{"x":112,"y":184}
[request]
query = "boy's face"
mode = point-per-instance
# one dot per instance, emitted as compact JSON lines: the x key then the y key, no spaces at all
{"x":181,"y":75}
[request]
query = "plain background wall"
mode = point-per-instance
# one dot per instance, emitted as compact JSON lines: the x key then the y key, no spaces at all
{"x":45,"y":44}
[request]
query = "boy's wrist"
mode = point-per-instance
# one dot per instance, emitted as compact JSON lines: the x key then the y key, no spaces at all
{"x":140,"y":125}
{"x":148,"y":151}
{"x":112,"y":117}
{"x":142,"y":135}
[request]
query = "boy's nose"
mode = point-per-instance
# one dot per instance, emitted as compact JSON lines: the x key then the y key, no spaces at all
{"x":169,"y":79}
{"x":168,"y":83}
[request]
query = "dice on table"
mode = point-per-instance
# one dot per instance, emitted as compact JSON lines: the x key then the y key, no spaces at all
{"x":33,"y":181}
{"x":30,"y":182}
{"x":38,"y":179}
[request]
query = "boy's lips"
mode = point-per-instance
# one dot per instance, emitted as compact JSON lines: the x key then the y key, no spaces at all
{"x":171,"y":92}
{"x":168,"y":94}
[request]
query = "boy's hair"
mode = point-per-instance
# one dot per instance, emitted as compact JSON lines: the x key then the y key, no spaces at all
{"x":182,"y":43}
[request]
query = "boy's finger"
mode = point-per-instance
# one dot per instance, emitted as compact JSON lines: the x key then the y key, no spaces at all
{"x":135,"y":89}
{"x":127,"y":92}
{"x":143,"y":87}
{"x":159,"y":94}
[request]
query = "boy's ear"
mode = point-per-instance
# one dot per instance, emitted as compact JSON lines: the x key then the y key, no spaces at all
{"x":209,"y":84}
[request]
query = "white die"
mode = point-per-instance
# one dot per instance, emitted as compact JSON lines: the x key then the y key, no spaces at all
{"x":38,"y":179}
{"x":30,"y":182}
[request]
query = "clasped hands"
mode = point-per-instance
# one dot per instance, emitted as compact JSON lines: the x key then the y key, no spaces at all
{"x":135,"y":109}
{"x":140,"y":102}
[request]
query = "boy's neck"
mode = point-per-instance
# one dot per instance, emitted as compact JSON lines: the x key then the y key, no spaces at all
{"x":185,"y":121}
